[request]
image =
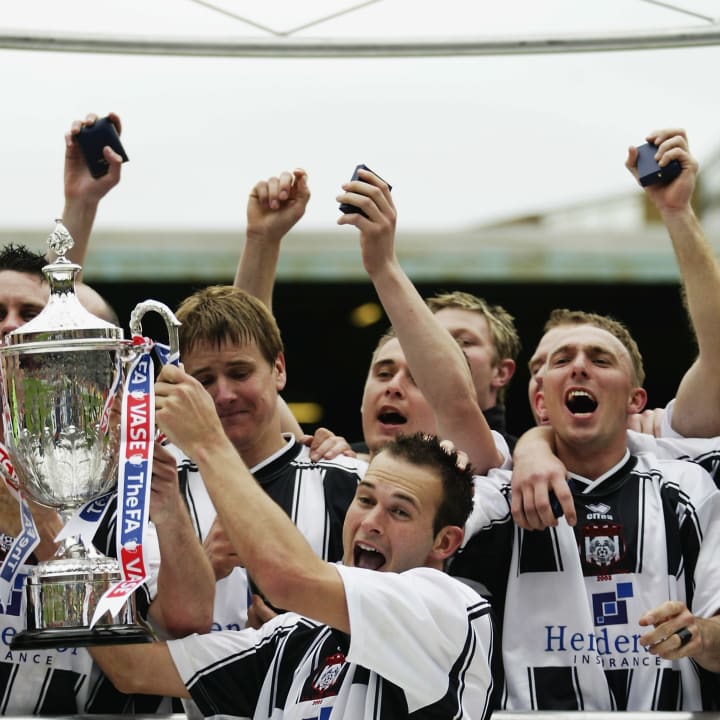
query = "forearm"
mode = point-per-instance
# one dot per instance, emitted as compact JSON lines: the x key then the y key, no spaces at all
{"x":257,"y":267}
{"x":78,"y":217}
{"x":533,"y":443}
{"x":700,"y":273}
{"x":267,"y":542}
{"x":269,"y":546}
{"x":427,"y":345}
{"x":186,"y":581}
{"x":9,"y":512}
{"x":274,"y":206}
{"x":146,"y":669}
{"x":697,"y":409}
{"x":438,"y":366}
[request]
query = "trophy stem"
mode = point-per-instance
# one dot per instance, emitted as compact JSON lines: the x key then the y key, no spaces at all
{"x":74,"y":547}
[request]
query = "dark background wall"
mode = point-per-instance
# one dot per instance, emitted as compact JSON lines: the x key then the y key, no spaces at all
{"x":327,"y":357}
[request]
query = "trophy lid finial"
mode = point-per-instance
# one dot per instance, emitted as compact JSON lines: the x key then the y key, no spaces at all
{"x":60,"y":240}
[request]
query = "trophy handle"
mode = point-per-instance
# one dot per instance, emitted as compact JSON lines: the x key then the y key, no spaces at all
{"x":171,"y":324}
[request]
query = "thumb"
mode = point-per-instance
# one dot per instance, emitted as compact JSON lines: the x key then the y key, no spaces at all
{"x":631,"y":160}
{"x":302,"y":190}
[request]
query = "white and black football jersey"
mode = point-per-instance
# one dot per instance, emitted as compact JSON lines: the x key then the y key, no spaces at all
{"x":423,"y":649}
{"x":572,"y":597}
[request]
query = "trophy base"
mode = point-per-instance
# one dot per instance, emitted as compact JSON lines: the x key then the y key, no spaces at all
{"x":62,"y":595}
{"x":80,"y":637}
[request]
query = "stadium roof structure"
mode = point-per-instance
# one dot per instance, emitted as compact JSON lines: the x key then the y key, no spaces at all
{"x":357,"y":28}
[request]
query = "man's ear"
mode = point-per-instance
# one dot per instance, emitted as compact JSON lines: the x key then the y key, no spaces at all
{"x":539,"y":404}
{"x":280,"y":374}
{"x":638,"y":400}
{"x":447,"y":541}
{"x":503,"y":372}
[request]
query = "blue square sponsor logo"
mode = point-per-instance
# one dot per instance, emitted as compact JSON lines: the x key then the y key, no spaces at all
{"x":610,"y":608}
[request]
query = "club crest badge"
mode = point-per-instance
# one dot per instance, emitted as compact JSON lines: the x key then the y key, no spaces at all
{"x":603,"y":546}
{"x":327,"y":680}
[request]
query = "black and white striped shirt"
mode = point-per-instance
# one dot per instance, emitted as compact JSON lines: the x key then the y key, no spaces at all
{"x":423,"y":648}
{"x":646,"y":533}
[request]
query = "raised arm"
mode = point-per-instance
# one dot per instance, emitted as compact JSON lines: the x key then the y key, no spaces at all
{"x":697,"y":407}
{"x":274,"y":207}
{"x":272,"y":549}
{"x":83,"y":192}
{"x":274,"y":552}
{"x":186,"y":582}
{"x":438,"y":365}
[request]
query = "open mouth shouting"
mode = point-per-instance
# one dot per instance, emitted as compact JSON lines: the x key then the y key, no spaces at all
{"x":366,"y":556}
{"x":580,"y":402}
{"x":390,"y":416}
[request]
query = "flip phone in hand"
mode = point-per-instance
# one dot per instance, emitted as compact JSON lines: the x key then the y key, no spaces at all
{"x":93,"y":138}
{"x":649,"y":172}
{"x":347,"y":208}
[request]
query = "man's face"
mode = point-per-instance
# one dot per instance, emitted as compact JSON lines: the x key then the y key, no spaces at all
{"x":244,"y":388}
{"x":22,"y":297}
{"x":587,"y":388}
{"x":389,"y":524}
{"x":392,"y":404}
{"x":470,"y":330}
{"x":537,"y":367}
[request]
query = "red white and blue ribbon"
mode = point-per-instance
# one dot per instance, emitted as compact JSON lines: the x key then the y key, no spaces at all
{"x":164,"y":355}
{"x":137,"y":433}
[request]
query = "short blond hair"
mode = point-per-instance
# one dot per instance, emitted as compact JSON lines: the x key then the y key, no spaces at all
{"x":222,"y":313}
{"x":563,"y":316}
{"x":504,"y":334}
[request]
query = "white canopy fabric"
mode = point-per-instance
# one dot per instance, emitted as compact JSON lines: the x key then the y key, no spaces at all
{"x":359,"y":28}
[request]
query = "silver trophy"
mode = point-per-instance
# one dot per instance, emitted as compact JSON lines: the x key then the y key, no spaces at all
{"x":60,"y":374}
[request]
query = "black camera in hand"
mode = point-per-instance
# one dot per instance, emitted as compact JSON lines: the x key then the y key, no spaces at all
{"x":93,"y":138}
{"x":649,"y":172}
{"x":347,"y":208}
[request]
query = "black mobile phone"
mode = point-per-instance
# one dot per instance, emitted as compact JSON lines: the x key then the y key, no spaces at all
{"x":649,"y":172}
{"x":347,"y":207}
{"x":93,"y":138}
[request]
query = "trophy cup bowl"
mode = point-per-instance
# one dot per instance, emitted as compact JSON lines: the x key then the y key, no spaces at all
{"x":60,"y":374}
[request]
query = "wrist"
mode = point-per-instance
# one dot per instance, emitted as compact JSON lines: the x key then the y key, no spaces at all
{"x":79,"y":210}
{"x":262,"y":237}
{"x":384,"y":270}
{"x":684,"y":215}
